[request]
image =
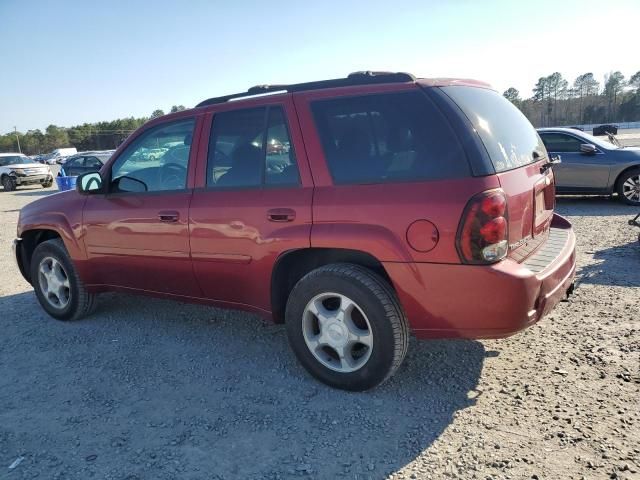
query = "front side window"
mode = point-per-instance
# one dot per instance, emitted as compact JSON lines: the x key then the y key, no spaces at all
{"x":155,"y":161}
{"x":381,"y":138}
{"x":74,"y":162}
{"x":251,"y":148}
{"x":559,"y":142}
{"x":92,"y":162}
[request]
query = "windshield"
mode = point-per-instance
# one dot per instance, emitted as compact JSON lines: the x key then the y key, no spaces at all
{"x":16,"y":160}
{"x":508,"y":136}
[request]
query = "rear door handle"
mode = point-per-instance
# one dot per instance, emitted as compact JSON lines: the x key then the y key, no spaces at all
{"x":281,"y":215}
{"x":168,"y":216}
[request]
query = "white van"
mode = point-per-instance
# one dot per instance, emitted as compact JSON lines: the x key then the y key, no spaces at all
{"x":59,"y":154}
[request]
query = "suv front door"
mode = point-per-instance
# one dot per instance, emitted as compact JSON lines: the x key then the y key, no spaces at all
{"x":136,"y":232}
{"x":254,"y":202}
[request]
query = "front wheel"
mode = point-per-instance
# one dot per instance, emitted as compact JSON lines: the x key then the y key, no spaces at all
{"x":346,"y":327}
{"x":8,"y":183}
{"x":58,"y":287}
{"x":47,"y":184}
{"x":629,"y":187}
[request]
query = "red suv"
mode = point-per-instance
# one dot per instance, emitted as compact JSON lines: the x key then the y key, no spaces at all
{"x":391,"y":205}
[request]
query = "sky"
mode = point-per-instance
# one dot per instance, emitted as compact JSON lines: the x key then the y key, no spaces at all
{"x":68,"y":62}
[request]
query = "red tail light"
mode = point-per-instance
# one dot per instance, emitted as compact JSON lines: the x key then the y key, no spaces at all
{"x":484,"y":229}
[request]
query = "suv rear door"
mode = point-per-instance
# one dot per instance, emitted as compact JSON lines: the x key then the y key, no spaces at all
{"x":383,"y":159}
{"x":253,"y":202}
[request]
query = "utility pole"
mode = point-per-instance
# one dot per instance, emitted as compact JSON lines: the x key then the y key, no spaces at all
{"x":15,"y":130}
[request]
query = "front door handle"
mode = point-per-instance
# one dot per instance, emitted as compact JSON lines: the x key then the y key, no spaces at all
{"x":281,"y":215}
{"x":168,"y":216}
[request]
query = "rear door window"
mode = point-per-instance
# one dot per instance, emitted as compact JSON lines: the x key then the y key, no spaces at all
{"x":382,"y":138}
{"x":559,"y":142}
{"x":508,"y":136}
{"x":250,"y":148}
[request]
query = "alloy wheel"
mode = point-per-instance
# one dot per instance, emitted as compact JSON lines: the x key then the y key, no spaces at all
{"x":337,"y":332}
{"x":54,"y":282}
{"x":631,"y":188}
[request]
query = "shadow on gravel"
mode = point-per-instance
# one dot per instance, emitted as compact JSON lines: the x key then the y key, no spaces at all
{"x":618,"y":266}
{"x":156,"y":389}
{"x":592,"y":206}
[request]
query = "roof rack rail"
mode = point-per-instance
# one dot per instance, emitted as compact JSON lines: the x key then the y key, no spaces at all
{"x":355,"y":78}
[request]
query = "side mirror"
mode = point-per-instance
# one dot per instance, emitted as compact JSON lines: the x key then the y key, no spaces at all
{"x":588,"y":149}
{"x":89,"y":183}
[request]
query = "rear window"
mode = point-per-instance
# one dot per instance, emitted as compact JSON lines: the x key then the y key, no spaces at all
{"x":387,"y":138}
{"x":508,"y":136}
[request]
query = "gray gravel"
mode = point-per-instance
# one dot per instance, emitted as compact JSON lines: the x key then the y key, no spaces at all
{"x":153,"y":389}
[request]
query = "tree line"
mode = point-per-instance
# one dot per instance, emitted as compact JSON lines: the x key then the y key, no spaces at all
{"x":555,"y":101}
{"x":88,"y":136}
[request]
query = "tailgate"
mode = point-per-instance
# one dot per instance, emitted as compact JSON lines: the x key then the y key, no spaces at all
{"x":531,"y":199}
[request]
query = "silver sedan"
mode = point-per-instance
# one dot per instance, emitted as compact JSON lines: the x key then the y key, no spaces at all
{"x":592,"y":166}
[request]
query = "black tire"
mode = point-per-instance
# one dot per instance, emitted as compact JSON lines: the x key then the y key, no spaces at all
{"x":8,"y":183}
{"x":47,"y":184}
{"x":80,"y":301}
{"x":377,"y":300}
{"x":621,"y":186}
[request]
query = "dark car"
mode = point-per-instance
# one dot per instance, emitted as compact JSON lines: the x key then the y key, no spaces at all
{"x":602,"y":130}
{"x":592,"y":166}
{"x":84,"y":163}
{"x":394,"y":209}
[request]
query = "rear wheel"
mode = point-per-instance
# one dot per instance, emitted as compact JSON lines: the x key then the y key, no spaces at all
{"x":629,"y":187}
{"x":8,"y":183}
{"x":57,"y":285}
{"x":47,"y":184}
{"x":346,"y":327}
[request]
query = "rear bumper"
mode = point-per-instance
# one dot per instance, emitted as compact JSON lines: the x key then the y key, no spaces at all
{"x":469,"y":301}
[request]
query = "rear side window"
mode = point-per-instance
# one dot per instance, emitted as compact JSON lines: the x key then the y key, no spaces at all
{"x":508,"y":136}
{"x":387,"y":138}
{"x":250,"y":148}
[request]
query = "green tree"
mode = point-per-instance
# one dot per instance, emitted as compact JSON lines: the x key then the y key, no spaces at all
{"x":56,"y":137}
{"x":585,"y":86}
{"x":613,"y":85}
{"x":513,"y":95}
{"x":177,"y":108}
{"x":557,"y":86}
{"x":157,"y":113}
{"x":540,"y":95}
{"x":634,"y":81}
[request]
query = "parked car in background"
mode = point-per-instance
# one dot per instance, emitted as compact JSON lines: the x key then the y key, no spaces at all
{"x":84,"y":163}
{"x":17,"y":170}
{"x":601,"y":130}
{"x":592,"y":166}
{"x":58,"y":154}
{"x":394,"y":208}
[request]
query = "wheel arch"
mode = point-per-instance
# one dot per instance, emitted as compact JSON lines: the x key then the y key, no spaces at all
{"x":292,"y":265}
{"x":30,"y":239}
{"x":616,"y":184}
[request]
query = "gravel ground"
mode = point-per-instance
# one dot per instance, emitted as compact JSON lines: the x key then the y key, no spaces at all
{"x":152,"y":389}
